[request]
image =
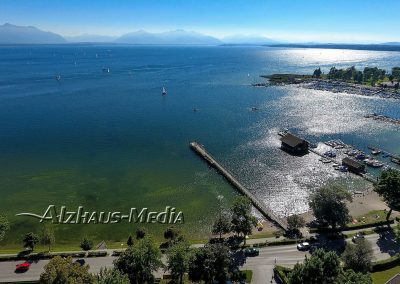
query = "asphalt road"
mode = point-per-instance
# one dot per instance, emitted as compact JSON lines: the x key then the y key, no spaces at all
{"x":383,"y":245}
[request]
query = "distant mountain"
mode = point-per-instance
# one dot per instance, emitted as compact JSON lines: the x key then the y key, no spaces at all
{"x":90,"y":38}
{"x":248,"y":39}
{"x":27,"y":35}
{"x":178,"y":37}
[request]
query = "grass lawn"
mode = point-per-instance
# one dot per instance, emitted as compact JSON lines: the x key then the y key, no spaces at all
{"x":369,"y":218}
{"x":382,"y":276}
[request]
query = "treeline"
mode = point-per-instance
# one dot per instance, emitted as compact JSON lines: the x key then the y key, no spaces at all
{"x":368,"y":75}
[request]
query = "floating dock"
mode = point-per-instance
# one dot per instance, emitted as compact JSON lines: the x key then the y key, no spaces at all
{"x":263,"y":209}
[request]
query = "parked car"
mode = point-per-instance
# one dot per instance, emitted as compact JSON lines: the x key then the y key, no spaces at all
{"x":303,"y":246}
{"x":251,"y":252}
{"x":358,"y":236}
{"x":81,"y":261}
{"x":22,"y":267}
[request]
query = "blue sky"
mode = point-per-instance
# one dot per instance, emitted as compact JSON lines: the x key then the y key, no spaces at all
{"x":295,"y":21}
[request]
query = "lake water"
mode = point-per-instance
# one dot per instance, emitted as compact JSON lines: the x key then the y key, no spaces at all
{"x":111,"y":141}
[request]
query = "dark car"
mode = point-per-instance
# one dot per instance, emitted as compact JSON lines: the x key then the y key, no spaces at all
{"x":251,"y":252}
{"x":81,"y":261}
{"x":358,"y":236}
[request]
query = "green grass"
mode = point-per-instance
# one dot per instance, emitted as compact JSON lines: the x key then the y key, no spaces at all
{"x":382,"y":277}
{"x":249,"y":275}
{"x":369,"y":218}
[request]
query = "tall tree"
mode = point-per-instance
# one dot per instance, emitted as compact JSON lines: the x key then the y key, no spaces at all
{"x":329,"y":205}
{"x":222,"y":225}
{"x":4,"y":226}
{"x":86,"y":244}
{"x":140,"y":261}
{"x":129,"y":242}
{"x":47,"y":237}
{"x":172,"y":235}
{"x":178,"y":260}
{"x":295,"y":223}
{"x":63,"y":270}
{"x":211,"y":263}
{"x":30,"y":240}
{"x":243,"y":221}
{"x":140,"y":233}
{"x":111,"y":276}
{"x":388,"y":187}
{"x":321,"y":267}
{"x":358,"y":256}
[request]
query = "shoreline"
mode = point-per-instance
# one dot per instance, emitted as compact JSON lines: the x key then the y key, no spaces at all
{"x":334,"y":86}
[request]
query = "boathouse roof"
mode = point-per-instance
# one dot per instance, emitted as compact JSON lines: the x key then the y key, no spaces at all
{"x":353,"y":163}
{"x":292,"y":140}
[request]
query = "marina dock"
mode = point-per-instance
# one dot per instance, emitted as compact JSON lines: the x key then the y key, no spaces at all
{"x":260,"y":206}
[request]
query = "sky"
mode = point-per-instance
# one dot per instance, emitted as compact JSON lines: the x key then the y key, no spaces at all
{"x":347,"y":21}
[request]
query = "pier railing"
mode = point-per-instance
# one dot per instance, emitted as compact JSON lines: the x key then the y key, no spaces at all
{"x":260,"y":206}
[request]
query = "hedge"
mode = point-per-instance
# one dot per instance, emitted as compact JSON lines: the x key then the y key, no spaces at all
{"x":97,"y":253}
{"x":356,"y":227}
{"x":386,"y":263}
{"x":281,"y":273}
{"x":41,"y":255}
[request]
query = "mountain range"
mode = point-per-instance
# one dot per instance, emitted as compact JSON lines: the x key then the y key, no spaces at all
{"x":12,"y":34}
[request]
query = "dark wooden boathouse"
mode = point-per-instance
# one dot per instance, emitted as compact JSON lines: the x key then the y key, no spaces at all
{"x":353,"y":165}
{"x":294,"y":145}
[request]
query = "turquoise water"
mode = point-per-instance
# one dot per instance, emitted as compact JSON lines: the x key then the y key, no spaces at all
{"x":111,"y":141}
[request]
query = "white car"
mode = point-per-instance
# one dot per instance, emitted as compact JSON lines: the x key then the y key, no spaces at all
{"x":303,"y":246}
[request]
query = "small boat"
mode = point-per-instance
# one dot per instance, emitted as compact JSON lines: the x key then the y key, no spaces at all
{"x":376,"y":152}
{"x":106,"y":70}
{"x":254,"y":108}
{"x":360,"y":156}
{"x":195,"y":109}
{"x":164,"y":91}
{"x":343,"y":169}
{"x":58,"y":78}
{"x":396,"y":161}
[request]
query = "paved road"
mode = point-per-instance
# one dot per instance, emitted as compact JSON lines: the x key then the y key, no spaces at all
{"x":383,"y":245}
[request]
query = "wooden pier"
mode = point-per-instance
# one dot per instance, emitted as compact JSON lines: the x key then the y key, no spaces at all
{"x":263,"y":209}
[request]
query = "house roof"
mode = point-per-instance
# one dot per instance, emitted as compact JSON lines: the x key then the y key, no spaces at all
{"x":394,"y":280}
{"x":353,"y":163}
{"x":292,"y":140}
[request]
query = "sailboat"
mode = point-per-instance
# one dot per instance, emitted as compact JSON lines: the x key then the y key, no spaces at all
{"x":164,"y":91}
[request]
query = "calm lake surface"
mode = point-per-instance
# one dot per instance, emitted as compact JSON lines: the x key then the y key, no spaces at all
{"x":111,"y":141}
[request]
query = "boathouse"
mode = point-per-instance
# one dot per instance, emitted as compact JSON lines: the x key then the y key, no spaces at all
{"x":353,"y":165}
{"x":294,"y":144}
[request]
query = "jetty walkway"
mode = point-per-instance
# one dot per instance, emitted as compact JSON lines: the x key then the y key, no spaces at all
{"x":261,"y":207}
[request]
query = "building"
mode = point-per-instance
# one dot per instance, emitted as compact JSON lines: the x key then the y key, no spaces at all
{"x":294,"y":144}
{"x":353,"y":165}
{"x":394,"y":280}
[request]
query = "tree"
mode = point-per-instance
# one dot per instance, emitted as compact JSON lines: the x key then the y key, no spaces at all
{"x":47,"y":237}
{"x":388,"y":187}
{"x":222,"y":225}
{"x":140,"y":261}
{"x":172,"y":235}
{"x":295,"y":223}
{"x":86,"y":244}
{"x":317,"y":73}
{"x":111,"y":276}
{"x":63,"y":270}
{"x":396,"y":72}
{"x":30,"y":240}
{"x":351,"y":277}
{"x":140,"y":233}
{"x":211,"y":263}
{"x":358,"y":256}
{"x":129,"y":242}
{"x":328,"y":205}
{"x":178,"y":260}
{"x":4,"y":226}
{"x":242,"y":220}
{"x":321,"y":267}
